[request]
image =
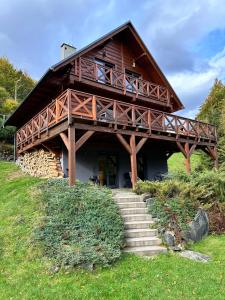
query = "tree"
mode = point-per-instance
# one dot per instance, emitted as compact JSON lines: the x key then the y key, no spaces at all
{"x":9,"y":106}
{"x":3,"y":95}
{"x":213,"y":112}
{"x":9,"y":78}
{"x":9,"y":75}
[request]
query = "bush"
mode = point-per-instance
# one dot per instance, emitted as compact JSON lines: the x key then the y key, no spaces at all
{"x":6,"y":151}
{"x":150,"y":187}
{"x":82,"y":224}
{"x":178,"y":196}
{"x":173,"y":214}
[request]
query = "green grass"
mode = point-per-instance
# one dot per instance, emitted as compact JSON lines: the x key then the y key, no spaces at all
{"x":24,"y":272}
{"x":176,"y":162}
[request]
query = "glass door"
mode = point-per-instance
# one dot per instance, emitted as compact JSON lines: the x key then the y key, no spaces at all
{"x":108,"y":166}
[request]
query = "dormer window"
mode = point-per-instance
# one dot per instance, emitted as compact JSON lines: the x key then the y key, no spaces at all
{"x":103,"y":71}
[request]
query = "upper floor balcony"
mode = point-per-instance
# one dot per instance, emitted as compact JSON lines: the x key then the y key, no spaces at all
{"x":127,"y":84}
{"x":102,"y":112}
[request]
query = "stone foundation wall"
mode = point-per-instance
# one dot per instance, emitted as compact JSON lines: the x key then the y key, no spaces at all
{"x":40,"y":163}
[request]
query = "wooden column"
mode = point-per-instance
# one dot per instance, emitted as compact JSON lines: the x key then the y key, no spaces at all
{"x":188,"y":158}
{"x":133,"y":161}
{"x":187,"y":154}
{"x":71,"y":156}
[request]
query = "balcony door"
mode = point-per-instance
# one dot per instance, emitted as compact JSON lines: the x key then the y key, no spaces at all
{"x":131,"y":78}
{"x":103,"y":71}
{"x":108,"y":170}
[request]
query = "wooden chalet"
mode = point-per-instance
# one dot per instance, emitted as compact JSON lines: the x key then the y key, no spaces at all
{"x":107,"y":111}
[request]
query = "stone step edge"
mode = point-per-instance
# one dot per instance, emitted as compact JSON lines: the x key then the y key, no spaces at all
{"x":145,"y":248}
{"x":143,"y":238}
{"x":142,"y":230}
{"x":140,"y":222}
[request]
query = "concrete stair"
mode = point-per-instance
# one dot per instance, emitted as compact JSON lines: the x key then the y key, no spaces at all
{"x":140,"y":238}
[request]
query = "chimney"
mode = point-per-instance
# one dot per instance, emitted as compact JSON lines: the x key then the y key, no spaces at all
{"x":67,"y":50}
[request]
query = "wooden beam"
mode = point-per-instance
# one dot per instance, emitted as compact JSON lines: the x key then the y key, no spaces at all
{"x":140,"y":144}
{"x":65,"y":139}
{"x":133,"y":161}
{"x":71,"y":156}
{"x":128,"y":132}
{"x":124,"y":142}
{"x":83,"y":139}
{"x":188,"y":158}
{"x":211,"y":152}
{"x":192,"y":149}
{"x":182,"y":149}
{"x":140,"y":56}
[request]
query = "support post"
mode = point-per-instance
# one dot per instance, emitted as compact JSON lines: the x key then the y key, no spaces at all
{"x":133,"y":161}
{"x":71,"y":156}
{"x":188,"y":158}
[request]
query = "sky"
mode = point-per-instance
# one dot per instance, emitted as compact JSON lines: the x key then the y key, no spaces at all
{"x":187,"y":38}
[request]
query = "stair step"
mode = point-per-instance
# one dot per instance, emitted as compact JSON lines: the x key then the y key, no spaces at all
{"x":134,"y":211}
{"x":143,"y":241}
{"x":131,"y":204}
{"x":129,"y":233}
{"x":137,"y":217}
{"x":146,"y":250}
{"x":128,"y":199}
{"x":138,"y":224}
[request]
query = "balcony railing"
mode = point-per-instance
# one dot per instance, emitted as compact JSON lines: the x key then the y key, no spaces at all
{"x":81,"y":105}
{"x":85,"y":106}
{"x":91,"y":70}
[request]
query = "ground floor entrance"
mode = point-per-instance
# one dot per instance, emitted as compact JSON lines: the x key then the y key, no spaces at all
{"x":103,"y":160}
{"x":108,"y":170}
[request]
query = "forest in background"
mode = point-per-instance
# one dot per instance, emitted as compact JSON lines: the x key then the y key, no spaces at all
{"x":15,"y":85}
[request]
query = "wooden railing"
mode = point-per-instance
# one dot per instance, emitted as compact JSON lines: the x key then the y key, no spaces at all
{"x":81,"y":105}
{"x":89,"y":69}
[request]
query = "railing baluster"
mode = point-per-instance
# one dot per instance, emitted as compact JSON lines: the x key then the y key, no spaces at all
{"x":94,"y":111}
{"x":114,"y":111}
{"x":96,"y":71}
{"x":133,"y":115}
{"x":124,"y":84}
{"x":80,"y":68}
{"x":163,"y":122}
{"x":69,"y":104}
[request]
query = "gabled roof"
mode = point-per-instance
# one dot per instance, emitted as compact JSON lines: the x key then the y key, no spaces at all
{"x":128,"y":25}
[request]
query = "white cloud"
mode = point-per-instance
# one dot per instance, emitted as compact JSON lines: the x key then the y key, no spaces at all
{"x":193,"y":86}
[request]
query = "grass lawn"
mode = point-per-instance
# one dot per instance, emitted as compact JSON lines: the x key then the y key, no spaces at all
{"x":176,"y":162}
{"x":24,"y":272}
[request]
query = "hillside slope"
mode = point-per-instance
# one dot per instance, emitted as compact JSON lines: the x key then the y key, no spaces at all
{"x":26,"y":274}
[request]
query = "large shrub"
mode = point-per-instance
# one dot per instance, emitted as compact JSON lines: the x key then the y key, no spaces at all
{"x":177,"y":198}
{"x":82,"y":224}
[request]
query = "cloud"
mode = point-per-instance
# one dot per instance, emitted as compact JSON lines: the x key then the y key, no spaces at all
{"x":193,"y":87}
{"x":175,"y":32}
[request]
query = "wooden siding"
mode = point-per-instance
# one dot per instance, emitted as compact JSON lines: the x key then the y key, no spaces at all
{"x":118,"y":53}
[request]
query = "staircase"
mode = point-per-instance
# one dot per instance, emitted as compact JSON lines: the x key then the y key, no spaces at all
{"x":140,"y":238}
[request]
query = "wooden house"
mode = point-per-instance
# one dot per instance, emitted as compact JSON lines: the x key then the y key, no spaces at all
{"x":107,"y":112}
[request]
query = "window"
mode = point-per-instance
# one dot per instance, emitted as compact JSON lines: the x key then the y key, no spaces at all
{"x":103,"y":71}
{"x":131,"y":81}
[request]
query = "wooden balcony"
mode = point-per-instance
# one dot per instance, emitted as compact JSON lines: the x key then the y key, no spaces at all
{"x":86,"y":69}
{"x":103,"y":114}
